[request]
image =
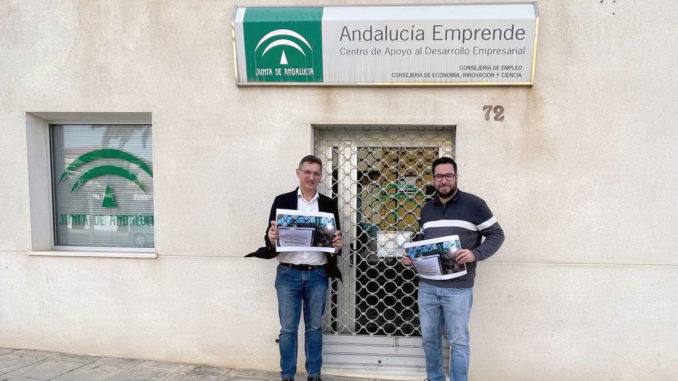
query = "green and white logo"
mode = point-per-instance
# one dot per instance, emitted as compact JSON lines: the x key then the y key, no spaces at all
{"x":284,"y":44}
{"x":103,"y":170}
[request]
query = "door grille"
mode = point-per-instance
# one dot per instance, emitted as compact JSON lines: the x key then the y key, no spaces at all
{"x":381,"y":178}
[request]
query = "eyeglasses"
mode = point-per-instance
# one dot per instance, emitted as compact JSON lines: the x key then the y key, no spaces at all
{"x":447,"y":176}
{"x":309,"y":173}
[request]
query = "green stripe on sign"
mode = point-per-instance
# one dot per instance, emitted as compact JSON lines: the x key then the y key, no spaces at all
{"x":283,"y":44}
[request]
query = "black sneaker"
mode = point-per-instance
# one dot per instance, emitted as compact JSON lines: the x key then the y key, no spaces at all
{"x":317,"y":378}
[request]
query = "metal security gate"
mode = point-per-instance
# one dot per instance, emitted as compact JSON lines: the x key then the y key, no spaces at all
{"x":381,"y":177}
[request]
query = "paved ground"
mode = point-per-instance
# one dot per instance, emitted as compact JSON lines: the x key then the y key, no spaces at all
{"x":24,"y":365}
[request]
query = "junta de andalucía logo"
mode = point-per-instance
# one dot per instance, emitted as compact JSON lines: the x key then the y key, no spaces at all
{"x":104,"y":170}
{"x":283,"y":44}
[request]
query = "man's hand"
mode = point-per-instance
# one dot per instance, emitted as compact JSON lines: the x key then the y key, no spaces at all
{"x":337,"y":241}
{"x":273,"y":233}
{"x":465,"y":256}
{"x":406,"y":260}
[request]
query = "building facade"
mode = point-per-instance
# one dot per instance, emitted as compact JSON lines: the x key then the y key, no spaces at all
{"x":136,"y":174}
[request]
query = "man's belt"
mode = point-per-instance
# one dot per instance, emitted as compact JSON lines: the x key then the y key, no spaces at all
{"x":302,"y":267}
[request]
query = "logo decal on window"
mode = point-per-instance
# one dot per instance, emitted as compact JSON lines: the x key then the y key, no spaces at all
{"x":103,"y":170}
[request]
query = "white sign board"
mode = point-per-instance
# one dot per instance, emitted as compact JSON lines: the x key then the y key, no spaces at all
{"x":485,"y":44}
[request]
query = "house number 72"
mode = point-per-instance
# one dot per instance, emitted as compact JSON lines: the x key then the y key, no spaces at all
{"x":498,"y":112}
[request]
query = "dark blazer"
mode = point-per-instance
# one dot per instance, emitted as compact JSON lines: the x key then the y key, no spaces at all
{"x":325,"y":204}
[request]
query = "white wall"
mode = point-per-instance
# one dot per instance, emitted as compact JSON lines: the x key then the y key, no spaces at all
{"x":580,"y":174}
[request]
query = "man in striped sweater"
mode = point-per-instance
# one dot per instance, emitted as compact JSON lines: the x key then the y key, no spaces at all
{"x":453,"y":212}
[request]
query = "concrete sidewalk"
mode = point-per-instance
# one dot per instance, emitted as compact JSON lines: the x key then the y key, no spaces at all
{"x":19,"y":364}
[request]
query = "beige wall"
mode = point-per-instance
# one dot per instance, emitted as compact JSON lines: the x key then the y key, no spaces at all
{"x":581,"y":175}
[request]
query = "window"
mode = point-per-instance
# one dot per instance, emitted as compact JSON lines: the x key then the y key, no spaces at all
{"x":102,"y":179}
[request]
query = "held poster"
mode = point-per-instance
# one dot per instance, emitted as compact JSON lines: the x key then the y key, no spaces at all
{"x":435,"y":258}
{"x":305,"y":231}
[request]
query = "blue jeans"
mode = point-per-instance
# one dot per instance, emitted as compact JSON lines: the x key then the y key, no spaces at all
{"x":450,"y":306}
{"x":295,"y":289}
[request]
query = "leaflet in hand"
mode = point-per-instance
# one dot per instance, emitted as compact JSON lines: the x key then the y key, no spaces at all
{"x":434,"y":258}
{"x":305,"y":231}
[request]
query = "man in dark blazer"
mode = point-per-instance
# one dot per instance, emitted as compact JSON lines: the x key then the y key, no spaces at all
{"x":302,"y":277}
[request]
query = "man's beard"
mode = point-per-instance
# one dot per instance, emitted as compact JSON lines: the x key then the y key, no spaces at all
{"x":446,"y":194}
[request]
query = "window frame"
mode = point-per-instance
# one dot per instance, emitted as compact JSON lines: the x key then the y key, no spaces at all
{"x":41,"y":192}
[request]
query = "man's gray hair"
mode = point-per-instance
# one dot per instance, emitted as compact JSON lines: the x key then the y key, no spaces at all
{"x":310,"y":159}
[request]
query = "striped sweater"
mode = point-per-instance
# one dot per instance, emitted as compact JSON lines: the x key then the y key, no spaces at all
{"x":467,"y":216}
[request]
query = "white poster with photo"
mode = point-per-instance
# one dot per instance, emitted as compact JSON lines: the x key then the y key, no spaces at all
{"x":435,"y":258}
{"x":305,"y":231}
